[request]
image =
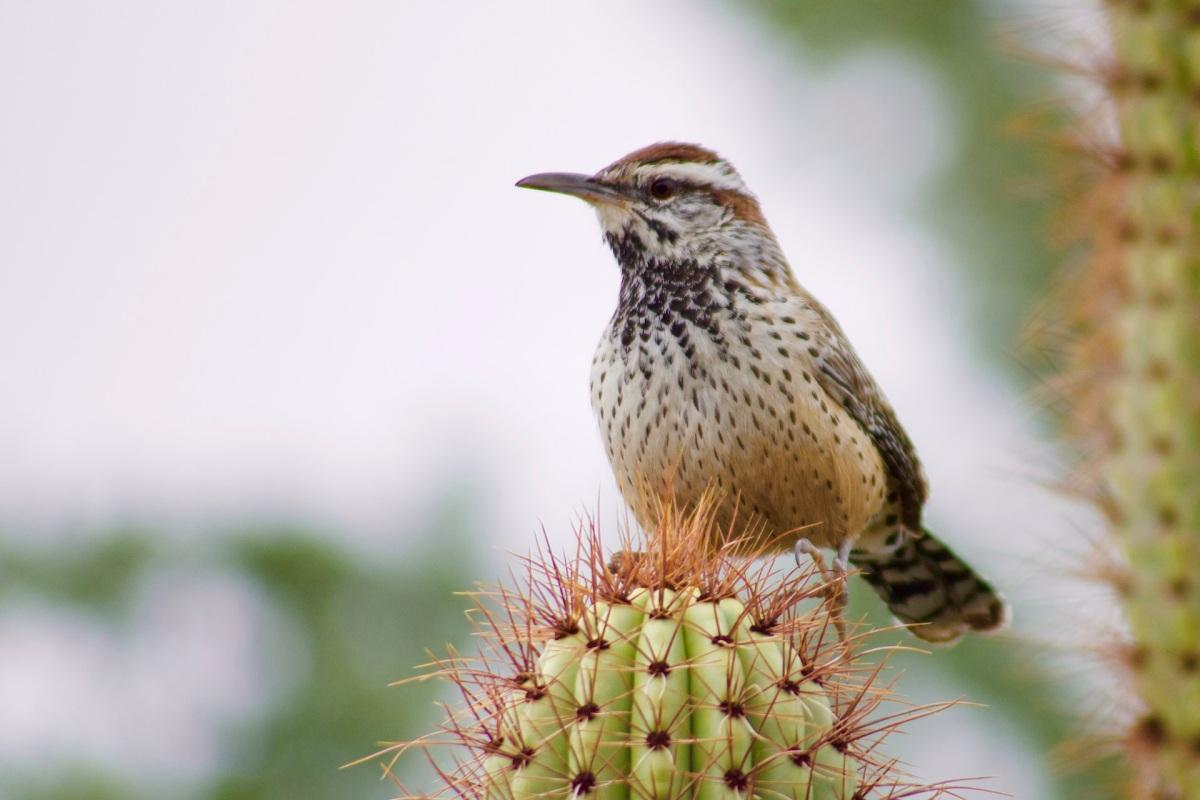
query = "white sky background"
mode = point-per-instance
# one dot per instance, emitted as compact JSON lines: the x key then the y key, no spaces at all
{"x":266,"y":259}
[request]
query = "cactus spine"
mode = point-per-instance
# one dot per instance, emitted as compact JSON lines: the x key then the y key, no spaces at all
{"x":684,"y":673}
{"x":1133,"y":374}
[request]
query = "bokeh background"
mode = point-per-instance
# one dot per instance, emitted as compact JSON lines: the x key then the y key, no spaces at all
{"x":287,"y":360}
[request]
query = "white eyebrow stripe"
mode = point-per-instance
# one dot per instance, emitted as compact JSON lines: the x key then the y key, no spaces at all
{"x":719,"y":174}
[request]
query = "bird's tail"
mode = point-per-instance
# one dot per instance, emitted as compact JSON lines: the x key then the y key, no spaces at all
{"x":928,"y":587}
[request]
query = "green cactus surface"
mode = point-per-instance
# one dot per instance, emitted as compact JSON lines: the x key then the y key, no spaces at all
{"x":669,"y":695}
{"x":674,"y":672}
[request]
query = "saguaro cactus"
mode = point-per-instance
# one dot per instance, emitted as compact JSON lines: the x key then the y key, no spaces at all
{"x":679,"y":671}
{"x":1133,"y":371}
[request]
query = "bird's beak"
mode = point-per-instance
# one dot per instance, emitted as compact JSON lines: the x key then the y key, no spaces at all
{"x":584,"y":187}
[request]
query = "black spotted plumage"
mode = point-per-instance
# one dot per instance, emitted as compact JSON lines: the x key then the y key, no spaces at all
{"x":667,"y":294}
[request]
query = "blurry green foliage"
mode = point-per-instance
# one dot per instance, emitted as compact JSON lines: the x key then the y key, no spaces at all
{"x":999,"y":232}
{"x":367,"y":626}
{"x":363,"y":622}
{"x":73,"y":784}
{"x":99,"y":576}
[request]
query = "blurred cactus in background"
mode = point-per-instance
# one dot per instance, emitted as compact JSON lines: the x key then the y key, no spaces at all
{"x":680,"y":671}
{"x":1131,"y":374}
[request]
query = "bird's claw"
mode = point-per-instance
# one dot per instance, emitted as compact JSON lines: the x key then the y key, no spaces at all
{"x":833,"y":577}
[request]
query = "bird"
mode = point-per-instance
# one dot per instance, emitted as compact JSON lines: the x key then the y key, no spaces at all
{"x":719,"y":372}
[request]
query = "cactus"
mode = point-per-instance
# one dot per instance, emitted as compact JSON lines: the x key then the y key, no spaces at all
{"x":1132,"y":373}
{"x":676,"y":671}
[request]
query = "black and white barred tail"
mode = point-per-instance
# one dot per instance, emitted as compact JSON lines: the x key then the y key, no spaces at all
{"x":929,"y":588}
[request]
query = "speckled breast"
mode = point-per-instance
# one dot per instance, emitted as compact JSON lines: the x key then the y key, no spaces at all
{"x":678,"y":416}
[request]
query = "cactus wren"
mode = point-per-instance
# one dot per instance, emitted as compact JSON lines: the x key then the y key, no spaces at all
{"x":719,"y":371}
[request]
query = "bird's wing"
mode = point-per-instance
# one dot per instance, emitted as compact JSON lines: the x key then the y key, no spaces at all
{"x":844,"y":378}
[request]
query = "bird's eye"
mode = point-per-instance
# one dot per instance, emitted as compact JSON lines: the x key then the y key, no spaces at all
{"x":662,"y":188}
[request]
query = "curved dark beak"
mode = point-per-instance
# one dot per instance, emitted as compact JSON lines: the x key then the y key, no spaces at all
{"x":575,"y":184}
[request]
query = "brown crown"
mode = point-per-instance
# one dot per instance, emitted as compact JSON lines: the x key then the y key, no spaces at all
{"x":667,"y":151}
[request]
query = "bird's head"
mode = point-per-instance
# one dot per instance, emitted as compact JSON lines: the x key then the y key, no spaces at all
{"x":666,"y":201}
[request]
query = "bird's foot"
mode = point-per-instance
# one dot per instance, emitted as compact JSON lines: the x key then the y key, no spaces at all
{"x":624,"y":564}
{"x":833,"y":577}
